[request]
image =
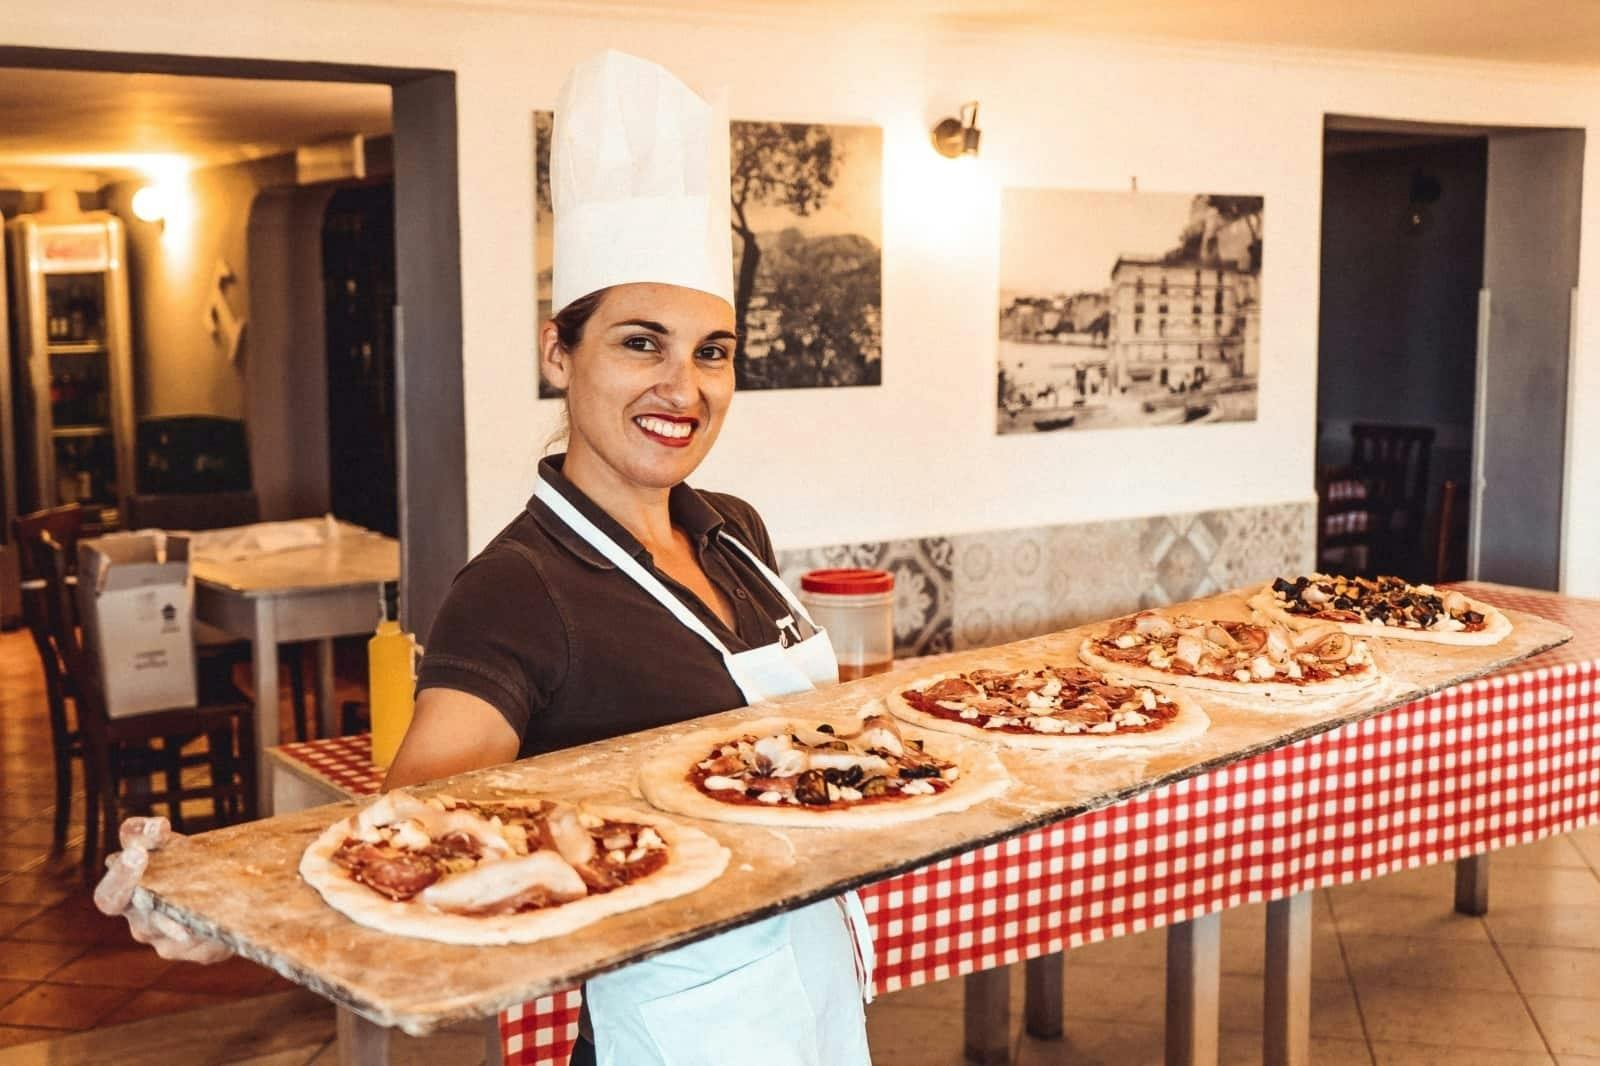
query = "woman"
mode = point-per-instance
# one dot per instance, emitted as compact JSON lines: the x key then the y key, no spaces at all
{"x":620,"y":598}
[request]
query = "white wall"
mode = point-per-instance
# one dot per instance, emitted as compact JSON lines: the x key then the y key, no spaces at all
{"x":917,"y":455}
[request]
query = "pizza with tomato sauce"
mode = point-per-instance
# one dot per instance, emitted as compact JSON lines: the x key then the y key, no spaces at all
{"x":800,"y":772}
{"x":501,"y":872}
{"x":1051,"y":707}
{"x":1238,"y":658}
{"x":1381,"y":607}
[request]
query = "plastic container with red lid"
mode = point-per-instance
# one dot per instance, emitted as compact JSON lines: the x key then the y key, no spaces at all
{"x":856,"y":607}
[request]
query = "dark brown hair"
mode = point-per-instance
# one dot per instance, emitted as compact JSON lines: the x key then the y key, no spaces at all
{"x":571,"y":319}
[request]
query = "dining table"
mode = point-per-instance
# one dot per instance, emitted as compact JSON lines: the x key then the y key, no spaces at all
{"x":313,"y":579}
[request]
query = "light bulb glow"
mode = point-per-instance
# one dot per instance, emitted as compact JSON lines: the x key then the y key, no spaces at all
{"x":150,"y":204}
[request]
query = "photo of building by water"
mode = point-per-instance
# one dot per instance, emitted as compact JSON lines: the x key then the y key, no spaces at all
{"x":1127,"y":309}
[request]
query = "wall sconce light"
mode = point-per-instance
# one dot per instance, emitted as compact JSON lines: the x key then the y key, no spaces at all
{"x":956,"y":137}
{"x":150,"y":204}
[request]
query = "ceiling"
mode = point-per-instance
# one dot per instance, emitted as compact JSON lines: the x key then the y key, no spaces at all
{"x":1521,"y":31}
{"x":84,"y":129}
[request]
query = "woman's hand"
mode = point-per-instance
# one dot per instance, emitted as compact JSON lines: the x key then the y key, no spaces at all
{"x":114,"y":896}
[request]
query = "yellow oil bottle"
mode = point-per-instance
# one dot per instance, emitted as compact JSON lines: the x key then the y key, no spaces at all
{"x":391,"y":678}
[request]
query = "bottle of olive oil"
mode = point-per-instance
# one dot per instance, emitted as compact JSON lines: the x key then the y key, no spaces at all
{"x":391,"y":678}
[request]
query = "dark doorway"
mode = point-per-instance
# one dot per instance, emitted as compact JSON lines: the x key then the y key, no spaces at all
{"x":358,"y":305}
{"x":1449,"y":266}
{"x":1402,"y":263}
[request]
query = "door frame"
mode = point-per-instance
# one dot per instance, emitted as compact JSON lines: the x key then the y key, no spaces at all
{"x":430,"y":426}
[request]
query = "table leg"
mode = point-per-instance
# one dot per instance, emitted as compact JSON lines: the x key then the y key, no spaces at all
{"x":361,"y":1043}
{"x":988,"y":1017}
{"x":1286,"y":1038}
{"x":493,"y":1048}
{"x":1194,"y":971}
{"x":1472,"y":885}
{"x":327,"y":709}
{"x":1042,"y":996}
{"x":264,"y":662}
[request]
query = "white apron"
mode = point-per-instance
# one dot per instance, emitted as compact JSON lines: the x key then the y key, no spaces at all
{"x":790,"y":986}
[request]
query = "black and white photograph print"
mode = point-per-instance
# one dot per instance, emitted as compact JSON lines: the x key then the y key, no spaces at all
{"x":1122,"y":310}
{"x":807,"y":216}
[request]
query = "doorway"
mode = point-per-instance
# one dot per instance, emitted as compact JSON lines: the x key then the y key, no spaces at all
{"x":1449,"y":258}
{"x":429,"y":448}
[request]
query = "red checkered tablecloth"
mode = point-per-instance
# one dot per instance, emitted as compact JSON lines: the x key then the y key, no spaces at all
{"x":1499,"y":761}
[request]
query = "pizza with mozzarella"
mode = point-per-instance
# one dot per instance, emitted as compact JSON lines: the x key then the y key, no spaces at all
{"x":507,"y":871}
{"x":805,"y":773}
{"x":1381,"y":607}
{"x":1238,"y":658}
{"x":1051,"y":707}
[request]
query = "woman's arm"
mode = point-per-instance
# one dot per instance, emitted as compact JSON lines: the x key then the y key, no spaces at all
{"x":451,"y":732}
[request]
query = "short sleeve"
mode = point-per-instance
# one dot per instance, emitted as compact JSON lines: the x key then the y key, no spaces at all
{"x":498,"y":636}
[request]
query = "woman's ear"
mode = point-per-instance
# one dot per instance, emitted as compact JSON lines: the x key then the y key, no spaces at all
{"x":555,"y":362}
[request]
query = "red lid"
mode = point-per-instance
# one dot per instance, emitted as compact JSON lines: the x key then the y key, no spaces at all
{"x":847,"y":581}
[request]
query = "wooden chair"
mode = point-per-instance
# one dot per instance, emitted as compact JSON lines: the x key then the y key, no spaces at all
{"x":1349,"y":520}
{"x":116,"y":750}
{"x":195,"y":511}
{"x":63,"y":525}
{"x":1448,"y":557}
{"x":1395,"y":460}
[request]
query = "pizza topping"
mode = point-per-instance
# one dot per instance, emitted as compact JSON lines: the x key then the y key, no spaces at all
{"x":822,"y":767}
{"x":460,"y":857}
{"x":1052,"y":701}
{"x":1386,"y":601}
{"x":1243,"y":651}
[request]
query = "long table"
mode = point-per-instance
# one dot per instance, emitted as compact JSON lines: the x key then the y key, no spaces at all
{"x":1412,"y":787}
{"x":1183,"y":835}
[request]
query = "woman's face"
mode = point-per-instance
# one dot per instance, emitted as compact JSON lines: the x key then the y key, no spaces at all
{"x":650,"y":382}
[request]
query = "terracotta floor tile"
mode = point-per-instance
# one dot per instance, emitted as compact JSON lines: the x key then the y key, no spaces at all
{"x":1391,"y":1053}
{"x":16,"y":857}
{"x":38,"y":831}
{"x":10,"y":990}
{"x":63,"y":1006}
{"x":1379,"y":962}
{"x":24,"y":961}
{"x":1544,"y":971}
{"x":235,"y":977}
{"x":33,"y":888}
{"x":156,"y":1001}
{"x":16,"y":1034}
{"x":1460,"y":1019}
{"x":14,"y":914}
{"x":1572,"y":1026}
{"x":131,"y":966}
{"x":74,"y":922}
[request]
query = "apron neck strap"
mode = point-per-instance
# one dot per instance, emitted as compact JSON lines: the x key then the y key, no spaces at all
{"x":772,"y":579}
{"x":596,"y":538}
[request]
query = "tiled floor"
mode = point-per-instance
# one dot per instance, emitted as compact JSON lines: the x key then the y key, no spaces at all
{"x":1399,"y":980}
{"x":63,"y":966}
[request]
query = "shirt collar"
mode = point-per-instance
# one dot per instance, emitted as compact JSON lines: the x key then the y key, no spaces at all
{"x":691,"y":512}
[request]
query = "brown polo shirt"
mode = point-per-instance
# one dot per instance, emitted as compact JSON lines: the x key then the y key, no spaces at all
{"x":571,"y":650}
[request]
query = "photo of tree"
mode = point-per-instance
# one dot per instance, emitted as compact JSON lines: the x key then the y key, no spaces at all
{"x":1127,"y":309}
{"x":807,"y":233}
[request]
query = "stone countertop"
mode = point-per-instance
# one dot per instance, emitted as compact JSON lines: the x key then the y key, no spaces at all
{"x":241,"y":884}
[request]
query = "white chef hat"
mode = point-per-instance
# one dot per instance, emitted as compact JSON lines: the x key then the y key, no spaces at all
{"x":638,"y":182}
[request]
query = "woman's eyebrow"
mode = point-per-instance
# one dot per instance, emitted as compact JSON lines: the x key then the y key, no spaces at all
{"x":719,"y":335}
{"x":645,"y":324}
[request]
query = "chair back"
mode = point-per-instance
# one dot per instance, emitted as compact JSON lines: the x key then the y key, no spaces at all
{"x":80,"y":675}
{"x":64,"y":525}
{"x":1396,"y":458}
{"x":1449,"y":555}
{"x":1350,"y":516}
{"x":191,"y":511}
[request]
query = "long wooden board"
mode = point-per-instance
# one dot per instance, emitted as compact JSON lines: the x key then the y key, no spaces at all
{"x":240,"y":884}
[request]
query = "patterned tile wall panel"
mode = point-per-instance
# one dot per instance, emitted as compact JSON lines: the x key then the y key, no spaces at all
{"x":988,"y":588}
{"x":923,"y":588}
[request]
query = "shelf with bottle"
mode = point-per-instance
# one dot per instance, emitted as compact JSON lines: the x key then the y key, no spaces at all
{"x":79,"y":394}
{"x":71,"y":348}
{"x":86,"y":469}
{"x":75,"y":310}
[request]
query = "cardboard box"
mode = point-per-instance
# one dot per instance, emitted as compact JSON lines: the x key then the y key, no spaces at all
{"x":136,"y":602}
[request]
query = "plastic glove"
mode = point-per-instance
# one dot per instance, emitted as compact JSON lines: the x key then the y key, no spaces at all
{"x":114,"y":896}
